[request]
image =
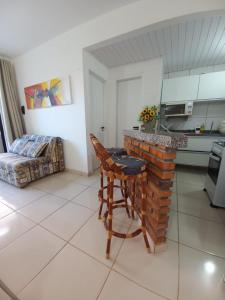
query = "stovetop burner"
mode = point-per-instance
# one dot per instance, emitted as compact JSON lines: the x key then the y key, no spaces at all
{"x":220,"y":143}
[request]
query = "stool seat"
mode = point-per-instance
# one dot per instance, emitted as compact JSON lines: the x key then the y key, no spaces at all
{"x":130,"y":165}
{"x":116,"y":151}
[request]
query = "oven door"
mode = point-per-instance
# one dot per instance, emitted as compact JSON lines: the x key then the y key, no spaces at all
{"x":214,"y":167}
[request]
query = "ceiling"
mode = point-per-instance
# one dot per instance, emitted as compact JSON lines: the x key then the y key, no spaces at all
{"x":25,"y":24}
{"x":184,"y":44}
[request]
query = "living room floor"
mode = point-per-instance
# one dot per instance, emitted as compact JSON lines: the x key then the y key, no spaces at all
{"x":52,"y":245}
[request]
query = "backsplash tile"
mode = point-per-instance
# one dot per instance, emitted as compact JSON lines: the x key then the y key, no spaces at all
{"x":203,"y":113}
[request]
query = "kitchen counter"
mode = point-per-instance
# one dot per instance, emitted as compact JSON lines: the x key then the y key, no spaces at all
{"x":172,"y":140}
{"x":159,"y":151}
{"x":205,"y":134}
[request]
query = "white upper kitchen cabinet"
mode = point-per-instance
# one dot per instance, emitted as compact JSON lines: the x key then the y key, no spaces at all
{"x":180,"y":89}
{"x":212,"y":86}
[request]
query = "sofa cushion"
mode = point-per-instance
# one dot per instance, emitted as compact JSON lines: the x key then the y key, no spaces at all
{"x":12,"y":162}
{"x":18,"y":145}
{"x":33,"y":149}
{"x":26,"y":148}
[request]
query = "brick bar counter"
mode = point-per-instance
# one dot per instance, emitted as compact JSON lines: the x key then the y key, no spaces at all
{"x":159,"y":150}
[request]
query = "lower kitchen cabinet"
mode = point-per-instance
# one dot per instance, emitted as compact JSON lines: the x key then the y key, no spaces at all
{"x":192,"y":158}
{"x":197,"y":151}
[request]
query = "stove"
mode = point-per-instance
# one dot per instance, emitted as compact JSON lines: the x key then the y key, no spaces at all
{"x":214,"y":184}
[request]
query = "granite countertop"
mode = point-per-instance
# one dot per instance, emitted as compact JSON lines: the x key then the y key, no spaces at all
{"x":162,"y":138}
{"x":207,"y":133}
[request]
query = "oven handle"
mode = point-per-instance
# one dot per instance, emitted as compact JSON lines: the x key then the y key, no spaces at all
{"x":214,"y":157}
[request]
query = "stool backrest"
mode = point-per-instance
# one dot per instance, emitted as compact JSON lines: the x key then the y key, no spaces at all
{"x":104,"y":157}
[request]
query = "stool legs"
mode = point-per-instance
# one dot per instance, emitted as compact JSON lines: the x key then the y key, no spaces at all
{"x":125,"y":195}
{"x":132,"y":198}
{"x":143,"y":211}
{"x":110,"y":210}
{"x":101,"y":191}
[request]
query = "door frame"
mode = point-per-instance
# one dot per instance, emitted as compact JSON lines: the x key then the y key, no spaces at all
{"x":92,"y":73}
{"x":128,"y":78}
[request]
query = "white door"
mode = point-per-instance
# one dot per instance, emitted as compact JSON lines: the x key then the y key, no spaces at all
{"x":129,"y":105}
{"x":97,"y":111}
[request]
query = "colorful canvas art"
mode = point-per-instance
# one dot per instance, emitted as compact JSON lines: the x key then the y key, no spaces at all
{"x":54,"y":92}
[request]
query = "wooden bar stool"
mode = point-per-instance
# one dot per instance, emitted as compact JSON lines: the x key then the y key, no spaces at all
{"x":128,"y":169}
{"x":115,"y":152}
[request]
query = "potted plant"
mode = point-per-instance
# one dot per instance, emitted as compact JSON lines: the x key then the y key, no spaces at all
{"x":149,"y":117}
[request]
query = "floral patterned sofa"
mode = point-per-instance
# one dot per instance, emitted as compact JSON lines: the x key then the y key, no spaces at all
{"x":31,"y":157}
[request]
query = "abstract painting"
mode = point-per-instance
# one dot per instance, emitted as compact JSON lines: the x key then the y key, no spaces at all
{"x":54,"y":92}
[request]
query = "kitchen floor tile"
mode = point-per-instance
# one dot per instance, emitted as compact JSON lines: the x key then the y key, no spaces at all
{"x":11,"y":227}
{"x":26,"y":256}
{"x":190,"y":177}
{"x":157,"y":272}
{"x":201,"y":275}
{"x":92,"y":239}
{"x":119,"y":287}
{"x":201,"y":234}
{"x":3,"y":295}
{"x":88,"y":198}
{"x":16,"y":198}
{"x":4,"y":210}
{"x":172,"y":232}
{"x":67,"y":220}
{"x":70,"y":275}
{"x":198,"y":206}
{"x":221,"y":212}
{"x":173,"y":199}
{"x":41,"y":208}
{"x":190,"y":189}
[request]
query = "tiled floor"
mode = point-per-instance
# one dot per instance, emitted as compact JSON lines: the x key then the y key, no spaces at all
{"x":52,"y":246}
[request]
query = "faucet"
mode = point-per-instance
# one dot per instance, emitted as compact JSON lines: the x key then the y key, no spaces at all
{"x":211,"y":127}
{"x":165,"y":128}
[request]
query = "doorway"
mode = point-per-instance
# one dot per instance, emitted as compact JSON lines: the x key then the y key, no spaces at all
{"x":129,"y":97}
{"x":97,"y":111}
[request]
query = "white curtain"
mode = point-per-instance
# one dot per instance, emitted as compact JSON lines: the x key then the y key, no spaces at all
{"x":9,"y":103}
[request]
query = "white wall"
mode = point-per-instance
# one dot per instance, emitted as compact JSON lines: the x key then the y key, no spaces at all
{"x":151,"y":74}
{"x":63,"y":56}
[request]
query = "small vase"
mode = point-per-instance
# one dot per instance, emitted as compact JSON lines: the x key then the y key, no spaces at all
{"x":150,"y":126}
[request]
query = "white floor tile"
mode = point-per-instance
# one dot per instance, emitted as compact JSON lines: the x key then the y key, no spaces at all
{"x":88,"y":180}
{"x":157,"y":272}
{"x":172,"y":232}
{"x":221,"y":212}
{"x":119,"y":287}
{"x":71,"y":275}
{"x":88,"y":198}
{"x":190,"y":189}
{"x":43,"y":207}
{"x":67,"y":189}
{"x":173,"y":199}
{"x":192,"y":177}
{"x":201,"y":276}
{"x":4,"y":210}
{"x":25,"y":257}
{"x":201,"y":234}
{"x":11,"y":227}
{"x":3,"y":295}
{"x":92,"y":239}
{"x":67,"y":220}
{"x":198,"y":206}
{"x":16,"y":198}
